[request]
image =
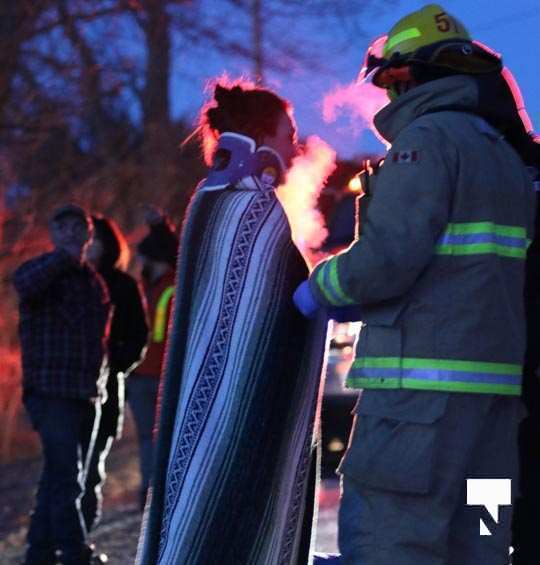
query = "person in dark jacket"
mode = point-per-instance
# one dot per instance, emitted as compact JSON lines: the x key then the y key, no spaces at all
{"x":64,"y":319}
{"x":109,"y":254}
{"x":157,"y":254}
{"x":527,"y":505}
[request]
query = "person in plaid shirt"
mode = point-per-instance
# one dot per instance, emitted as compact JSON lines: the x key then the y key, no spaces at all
{"x":64,"y":319}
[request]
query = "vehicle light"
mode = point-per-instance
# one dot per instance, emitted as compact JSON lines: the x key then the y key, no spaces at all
{"x":336,"y":445}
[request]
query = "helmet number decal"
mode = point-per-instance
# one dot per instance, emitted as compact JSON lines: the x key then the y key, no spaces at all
{"x":445,"y":22}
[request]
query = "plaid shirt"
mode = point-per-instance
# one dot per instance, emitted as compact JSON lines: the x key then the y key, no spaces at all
{"x":64,"y":319}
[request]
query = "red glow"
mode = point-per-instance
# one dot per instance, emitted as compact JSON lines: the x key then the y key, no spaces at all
{"x":300,"y":193}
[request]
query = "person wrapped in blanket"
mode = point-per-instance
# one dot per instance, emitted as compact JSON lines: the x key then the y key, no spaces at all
{"x":233,"y":479}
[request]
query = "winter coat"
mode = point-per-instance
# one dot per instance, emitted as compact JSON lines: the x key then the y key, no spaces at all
{"x":439,"y":268}
{"x":126,"y":343}
{"x":64,"y":317}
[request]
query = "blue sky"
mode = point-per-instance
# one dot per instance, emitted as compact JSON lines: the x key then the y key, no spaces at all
{"x":510,"y":27}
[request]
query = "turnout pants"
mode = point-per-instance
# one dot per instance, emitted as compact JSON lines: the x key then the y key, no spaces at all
{"x":404,"y":478}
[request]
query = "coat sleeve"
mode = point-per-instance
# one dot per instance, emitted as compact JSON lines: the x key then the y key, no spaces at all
{"x":128,"y":347}
{"x":409,"y":210}
{"x":34,"y":277}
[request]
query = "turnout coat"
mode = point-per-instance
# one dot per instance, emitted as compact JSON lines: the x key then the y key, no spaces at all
{"x":439,"y":268}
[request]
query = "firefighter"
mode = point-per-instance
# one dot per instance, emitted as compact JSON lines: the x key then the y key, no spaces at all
{"x":438,"y":275}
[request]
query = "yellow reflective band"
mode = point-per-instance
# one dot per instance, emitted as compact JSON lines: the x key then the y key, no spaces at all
{"x":160,"y":322}
{"x":404,"y":35}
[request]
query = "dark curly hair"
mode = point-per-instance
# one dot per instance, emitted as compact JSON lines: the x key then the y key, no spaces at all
{"x":243,"y":109}
{"x":115,"y":247}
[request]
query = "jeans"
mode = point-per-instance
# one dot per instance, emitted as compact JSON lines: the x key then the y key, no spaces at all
{"x":142,"y":398}
{"x":64,"y":426}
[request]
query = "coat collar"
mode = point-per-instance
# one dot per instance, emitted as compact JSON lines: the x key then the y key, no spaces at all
{"x":459,"y":92}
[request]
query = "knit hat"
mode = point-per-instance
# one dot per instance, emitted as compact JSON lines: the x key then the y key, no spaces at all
{"x":161,"y":244}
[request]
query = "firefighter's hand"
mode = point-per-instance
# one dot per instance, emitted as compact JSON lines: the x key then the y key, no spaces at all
{"x":305,"y":301}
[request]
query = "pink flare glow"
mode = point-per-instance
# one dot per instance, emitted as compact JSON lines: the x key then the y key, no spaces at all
{"x":518,"y":98}
{"x":300,"y":193}
{"x":487,"y":48}
{"x":360,"y":101}
{"x":376,"y":49}
{"x":514,"y":88}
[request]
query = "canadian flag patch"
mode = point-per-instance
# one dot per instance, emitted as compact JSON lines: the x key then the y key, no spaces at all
{"x":406,"y":157}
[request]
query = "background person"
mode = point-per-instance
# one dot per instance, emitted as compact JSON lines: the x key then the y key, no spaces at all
{"x":157,"y":255}
{"x":64,"y":314}
{"x":109,"y":254}
{"x":527,"y":504}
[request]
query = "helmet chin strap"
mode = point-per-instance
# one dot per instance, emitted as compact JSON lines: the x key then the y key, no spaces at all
{"x":237,"y":156}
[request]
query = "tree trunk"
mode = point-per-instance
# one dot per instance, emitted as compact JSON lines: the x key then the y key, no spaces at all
{"x":158,"y":149}
{"x":16,"y":18}
{"x":258,"y":48}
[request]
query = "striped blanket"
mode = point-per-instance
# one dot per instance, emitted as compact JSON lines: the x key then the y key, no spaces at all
{"x":235,"y":467}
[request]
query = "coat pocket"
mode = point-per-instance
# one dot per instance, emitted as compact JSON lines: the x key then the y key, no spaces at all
{"x":394,"y":440}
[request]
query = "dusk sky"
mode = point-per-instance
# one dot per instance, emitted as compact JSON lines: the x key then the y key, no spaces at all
{"x":509,"y":27}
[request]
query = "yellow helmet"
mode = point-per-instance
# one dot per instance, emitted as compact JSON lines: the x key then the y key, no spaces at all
{"x":426,"y":26}
{"x":424,"y":43}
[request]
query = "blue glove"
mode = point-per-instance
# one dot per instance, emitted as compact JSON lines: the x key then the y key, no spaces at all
{"x":343,"y":314}
{"x":305,"y":301}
